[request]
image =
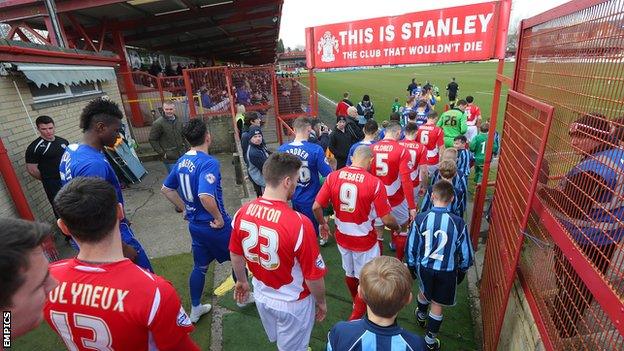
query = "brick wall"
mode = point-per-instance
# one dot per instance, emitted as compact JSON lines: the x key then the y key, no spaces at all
{"x":17,"y":132}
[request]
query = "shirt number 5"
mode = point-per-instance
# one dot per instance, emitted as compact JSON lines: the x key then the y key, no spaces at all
{"x":251,"y":241}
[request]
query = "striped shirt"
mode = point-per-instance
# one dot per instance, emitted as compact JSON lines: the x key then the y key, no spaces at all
{"x":464,"y":158}
{"x":364,"y":335}
{"x":460,"y":200}
{"x":439,"y":240}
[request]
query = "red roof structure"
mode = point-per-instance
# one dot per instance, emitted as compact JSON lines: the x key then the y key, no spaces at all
{"x":228,"y":30}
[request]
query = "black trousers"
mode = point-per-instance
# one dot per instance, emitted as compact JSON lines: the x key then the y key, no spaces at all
{"x":573,"y":296}
{"x":51,"y":188}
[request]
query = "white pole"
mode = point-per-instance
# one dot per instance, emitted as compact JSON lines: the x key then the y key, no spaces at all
{"x":25,"y":109}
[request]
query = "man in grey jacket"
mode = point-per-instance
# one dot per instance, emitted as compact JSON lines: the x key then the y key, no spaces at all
{"x":166,"y":136}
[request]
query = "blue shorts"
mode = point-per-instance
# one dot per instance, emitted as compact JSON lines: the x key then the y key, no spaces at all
{"x":210,"y":244}
{"x":306,"y":210}
{"x":438,"y":286}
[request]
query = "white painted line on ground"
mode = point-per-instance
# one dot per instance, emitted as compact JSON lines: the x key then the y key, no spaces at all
{"x":484,"y":92}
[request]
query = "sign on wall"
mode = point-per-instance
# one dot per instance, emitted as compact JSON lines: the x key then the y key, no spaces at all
{"x":463,"y":33}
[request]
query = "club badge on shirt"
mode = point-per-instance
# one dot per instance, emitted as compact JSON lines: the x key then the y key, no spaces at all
{"x":319,"y":262}
{"x":210,"y":178}
{"x":183,"y":319}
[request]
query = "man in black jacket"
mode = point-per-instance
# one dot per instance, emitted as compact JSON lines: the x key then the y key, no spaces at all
{"x":340,"y":142}
{"x":353,"y":127}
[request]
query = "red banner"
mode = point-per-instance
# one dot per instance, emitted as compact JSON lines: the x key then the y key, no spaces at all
{"x":463,"y":33}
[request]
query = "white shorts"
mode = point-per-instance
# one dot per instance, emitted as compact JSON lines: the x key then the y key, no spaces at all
{"x":353,"y":261}
{"x":471,"y":132}
{"x":401,"y":212}
{"x":291,"y":329}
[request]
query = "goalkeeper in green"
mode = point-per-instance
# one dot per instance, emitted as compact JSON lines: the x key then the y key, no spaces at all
{"x":453,"y":122}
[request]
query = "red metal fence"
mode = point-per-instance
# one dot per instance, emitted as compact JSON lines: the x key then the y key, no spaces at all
{"x":209,"y":92}
{"x":563,"y":233}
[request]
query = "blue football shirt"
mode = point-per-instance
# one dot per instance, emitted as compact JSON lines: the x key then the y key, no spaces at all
{"x":196,"y":174}
{"x":313,"y":163}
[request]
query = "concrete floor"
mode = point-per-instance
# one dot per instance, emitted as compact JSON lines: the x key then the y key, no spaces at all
{"x":161,"y":230}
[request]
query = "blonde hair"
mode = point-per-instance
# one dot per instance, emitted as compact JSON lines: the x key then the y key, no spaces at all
{"x":386,"y":286}
{"x":450,"y":153}
{"x":447,"y":169}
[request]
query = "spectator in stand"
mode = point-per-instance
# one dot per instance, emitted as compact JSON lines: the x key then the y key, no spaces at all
{"x":257,"y":154}
{"x":240,"y":119}
{"x":43,"y":157}
{"x":24,"y":275}
{"x":343,"y":105}
{"x":451,"y":90}
{"x":365,"y":110}
{"x":243,"y":96}
{"x":340,"y":142}
{"x":179,"y":69}
{"x":169,"y":71}
{"x":588,"y":204}
{"x":205,"y":98}
{"x":154,"y":68}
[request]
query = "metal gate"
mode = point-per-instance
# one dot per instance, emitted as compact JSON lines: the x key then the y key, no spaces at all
{"x":557,"y":217}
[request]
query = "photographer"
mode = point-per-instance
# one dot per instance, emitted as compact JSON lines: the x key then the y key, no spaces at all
{"x":319,"y":134}
{"x":365,"y":110}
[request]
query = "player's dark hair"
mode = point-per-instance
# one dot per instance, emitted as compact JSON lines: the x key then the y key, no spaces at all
{"x":422,"y":103}
{"x":99,"y":110}
{"x":432,"y":115}
{"x":371,"y":127}
{"x":461,"y":103}
{"x":195,"y":131}
{"x":485,"y":127}
{"x":395,"y":116}
{"x":461,"y":138}
{"x":44,"y":120}
{"x":345,"y":94}
{"x":17,"y":239}
{"x":279,"y":166}
{"x":469,"y":99}
{"x":412,"y":115}
{"x":444,"y":191}
{"x":88,"y":207}
{"x":301,"y":123}
{"x":411,"y":128}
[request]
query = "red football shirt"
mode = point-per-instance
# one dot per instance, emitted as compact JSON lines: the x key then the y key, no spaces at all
{"x":472,"y":113}
{"x":418,"y":157}
{"x":432,"y":137}
{"x":280,"y":248}
{"x":391,"y":165}
{"x":358,"y":198}
{"x":115,"y":306}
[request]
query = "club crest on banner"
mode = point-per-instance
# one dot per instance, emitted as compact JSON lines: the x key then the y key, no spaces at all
{"x":327,"y":44}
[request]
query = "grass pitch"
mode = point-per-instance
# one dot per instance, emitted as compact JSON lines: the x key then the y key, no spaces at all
{"x":242,"y":329}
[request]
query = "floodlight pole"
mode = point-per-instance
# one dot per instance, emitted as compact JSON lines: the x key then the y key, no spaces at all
{"x":55,"y":30}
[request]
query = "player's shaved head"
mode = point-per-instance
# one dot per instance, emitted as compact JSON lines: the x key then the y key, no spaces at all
{"x":393,"y":130}
{"x":362,"y":156}
{"x":279,"y":166}
{"x":88,"y":208}
{"x":301,"y":124}
{"x":442,"y":193}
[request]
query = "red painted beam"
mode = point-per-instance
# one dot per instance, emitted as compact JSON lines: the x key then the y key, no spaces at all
{"x":37,"y":8}
{"x":21,"y":54}
{"x":81,"y":31}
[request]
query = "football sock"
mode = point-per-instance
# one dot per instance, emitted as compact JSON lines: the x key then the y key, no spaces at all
{"x":359,"y":308}
{"x":422,"y":307}
{"x":352,"y":284}
{"x":433,"y":327}
{"x":196,"y":283}
{"x":399,"y":242}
